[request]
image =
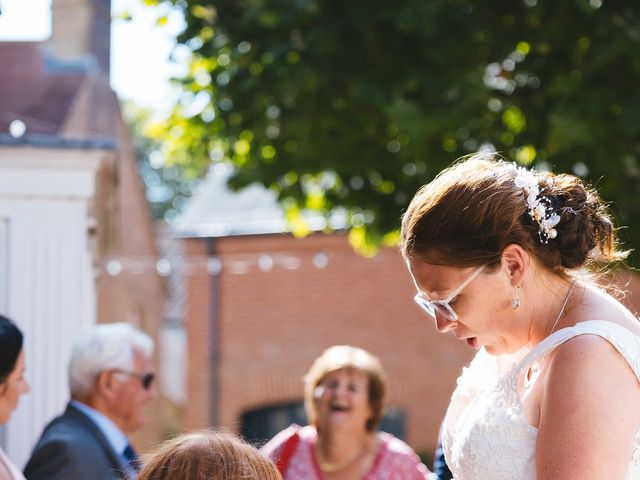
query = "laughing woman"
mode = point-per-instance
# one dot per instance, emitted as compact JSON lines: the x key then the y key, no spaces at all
{"x":344,"y":399}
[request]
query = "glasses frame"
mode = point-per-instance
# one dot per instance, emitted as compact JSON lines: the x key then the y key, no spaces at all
{"x":146,"y":379}
{"x":433,"y":307}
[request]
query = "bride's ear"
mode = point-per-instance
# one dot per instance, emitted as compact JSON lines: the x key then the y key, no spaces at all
{"x":515,"y":262}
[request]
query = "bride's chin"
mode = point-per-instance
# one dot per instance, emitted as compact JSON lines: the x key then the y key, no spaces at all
{"x":494,"y":350}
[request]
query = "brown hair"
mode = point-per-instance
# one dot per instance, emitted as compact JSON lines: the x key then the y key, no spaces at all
{"x":345,"y":356}
{"x":208,"y":455}
{"x":472,"y":210}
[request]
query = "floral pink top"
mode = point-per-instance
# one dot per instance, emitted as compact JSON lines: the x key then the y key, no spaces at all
{"x":395,"y":460}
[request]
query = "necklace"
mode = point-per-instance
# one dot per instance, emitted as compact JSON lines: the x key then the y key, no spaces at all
{"x":533,"y":370}
{"x":564,"y":304}
{"x":329,"y":467}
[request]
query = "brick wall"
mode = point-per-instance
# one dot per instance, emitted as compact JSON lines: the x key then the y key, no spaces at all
{"x":274,"y":322}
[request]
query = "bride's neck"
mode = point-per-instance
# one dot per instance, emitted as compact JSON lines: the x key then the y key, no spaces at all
{"x":551,"y":299}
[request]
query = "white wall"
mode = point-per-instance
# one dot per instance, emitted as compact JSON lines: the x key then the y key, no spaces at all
{"x":173,"y":364}
{"x":44,"y":200}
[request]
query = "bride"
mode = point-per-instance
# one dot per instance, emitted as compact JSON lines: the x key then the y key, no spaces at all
{"x":496,"y":253}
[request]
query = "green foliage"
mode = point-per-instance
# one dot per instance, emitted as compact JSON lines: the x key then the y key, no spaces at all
{"x":167,"y":186}
{"x":356,"y":104}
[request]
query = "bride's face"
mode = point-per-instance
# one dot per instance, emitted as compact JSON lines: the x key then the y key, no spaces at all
{"x":483,"y":307}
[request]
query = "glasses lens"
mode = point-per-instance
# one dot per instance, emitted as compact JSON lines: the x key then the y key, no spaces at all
{"x":444,"y":311}
{"x":425,"y":305}
{"x":147,"y":380}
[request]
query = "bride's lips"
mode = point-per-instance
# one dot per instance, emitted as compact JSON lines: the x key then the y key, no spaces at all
{"x":472,"y":342}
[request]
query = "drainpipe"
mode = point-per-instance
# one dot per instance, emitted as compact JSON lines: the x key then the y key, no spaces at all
{"x":214,"y":340}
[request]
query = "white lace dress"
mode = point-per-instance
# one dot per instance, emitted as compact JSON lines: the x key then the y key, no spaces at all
{"x":486,"y":434}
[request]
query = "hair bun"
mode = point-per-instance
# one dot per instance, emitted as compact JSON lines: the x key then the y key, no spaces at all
{"x":585,"y":231}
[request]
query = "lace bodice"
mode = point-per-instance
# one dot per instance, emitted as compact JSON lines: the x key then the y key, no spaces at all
{"x":487,"y":436}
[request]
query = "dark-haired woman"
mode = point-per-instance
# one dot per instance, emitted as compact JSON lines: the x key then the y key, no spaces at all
{"x":12,"y":385}
{"x":497,"y":253}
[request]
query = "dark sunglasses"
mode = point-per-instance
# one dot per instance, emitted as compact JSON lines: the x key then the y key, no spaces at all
{"x":146,"y":379}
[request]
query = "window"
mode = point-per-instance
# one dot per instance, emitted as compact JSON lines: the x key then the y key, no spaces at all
{"x":394,"y":422}
{"x":261,"y":424}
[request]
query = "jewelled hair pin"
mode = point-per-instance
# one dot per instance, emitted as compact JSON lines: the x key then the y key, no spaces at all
{"x":539,"y":205}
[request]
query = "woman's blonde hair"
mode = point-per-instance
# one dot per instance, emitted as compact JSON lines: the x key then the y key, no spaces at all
{"x":345,"y":356}
{"x":208,"y":455}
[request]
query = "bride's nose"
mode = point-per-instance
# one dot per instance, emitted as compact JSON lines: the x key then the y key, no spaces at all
{"x":444,"y":325}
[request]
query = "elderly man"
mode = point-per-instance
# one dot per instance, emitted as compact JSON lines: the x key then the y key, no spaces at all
{"x":111,"y":382}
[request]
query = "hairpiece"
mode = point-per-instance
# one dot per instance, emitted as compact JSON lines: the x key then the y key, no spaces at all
{"x":539,"y":205}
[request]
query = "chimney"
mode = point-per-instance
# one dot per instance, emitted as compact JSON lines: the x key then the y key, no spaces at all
{"x":80,"y":34}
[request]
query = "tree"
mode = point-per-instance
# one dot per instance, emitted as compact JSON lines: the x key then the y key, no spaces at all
{"x":167,"y":186}
{"x":356,"y":104}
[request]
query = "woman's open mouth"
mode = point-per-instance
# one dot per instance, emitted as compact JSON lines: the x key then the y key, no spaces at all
{"x":339,"y":408}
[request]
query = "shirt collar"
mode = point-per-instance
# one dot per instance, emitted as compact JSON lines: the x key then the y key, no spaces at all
{"x":116,"y":438}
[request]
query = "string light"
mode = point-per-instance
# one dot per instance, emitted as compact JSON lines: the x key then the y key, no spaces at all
{"x":265,"y":262}
{"x":114,"y":267}
{"x":214,"y":266}
{"x":17,"y":128}
{"x":163,"y":267}
{"x":236,"y":264}
{"x":320,"y":260}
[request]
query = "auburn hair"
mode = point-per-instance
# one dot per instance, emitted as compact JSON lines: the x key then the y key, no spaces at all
{"x":208,"y":455}
{"x":472,"y":210}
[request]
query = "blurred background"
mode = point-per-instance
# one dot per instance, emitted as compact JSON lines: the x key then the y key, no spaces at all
{"x":229,"y":176}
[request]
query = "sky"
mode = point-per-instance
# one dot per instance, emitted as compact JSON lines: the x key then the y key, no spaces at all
{"x":140,"y":50}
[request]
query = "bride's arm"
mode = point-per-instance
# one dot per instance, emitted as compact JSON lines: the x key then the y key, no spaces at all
{"x":589,"y":413}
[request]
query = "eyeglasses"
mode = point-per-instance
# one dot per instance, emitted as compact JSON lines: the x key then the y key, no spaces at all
{"x":146,"y":379}
{"x":442,"y":307}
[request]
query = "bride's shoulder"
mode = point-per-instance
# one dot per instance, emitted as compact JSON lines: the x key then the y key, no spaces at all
{"x":588,"y":403}
{"x":595,"y":362}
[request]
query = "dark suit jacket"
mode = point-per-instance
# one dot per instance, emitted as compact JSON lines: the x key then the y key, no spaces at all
{"x":440,"y":467}
{"x":72,"y":447}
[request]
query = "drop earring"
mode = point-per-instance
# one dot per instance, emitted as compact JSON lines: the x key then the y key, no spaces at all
{"x":515,"y":301}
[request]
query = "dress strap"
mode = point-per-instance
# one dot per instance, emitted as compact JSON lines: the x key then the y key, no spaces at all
{"x":625,"y":342}
{"x":287,"y":452}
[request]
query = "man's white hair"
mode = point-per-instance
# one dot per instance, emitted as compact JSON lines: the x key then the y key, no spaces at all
{"x":104,"y":347}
